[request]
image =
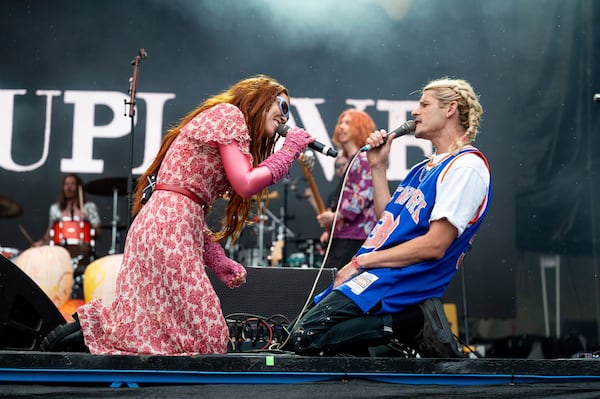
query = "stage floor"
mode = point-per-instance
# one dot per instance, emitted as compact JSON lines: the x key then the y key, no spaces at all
{"x":27,"y":374}
{"x":27,"y":315}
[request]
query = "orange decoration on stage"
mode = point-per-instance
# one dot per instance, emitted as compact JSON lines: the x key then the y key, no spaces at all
{"x":100,"y":278}
{"x":69,"y":308}
{"x":51,"y":268}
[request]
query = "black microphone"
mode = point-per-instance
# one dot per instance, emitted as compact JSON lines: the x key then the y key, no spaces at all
{"x":315,"y":145}
{"x":405,"y":128}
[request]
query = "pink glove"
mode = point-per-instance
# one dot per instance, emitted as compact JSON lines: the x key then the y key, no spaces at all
{"x":227,"y":270}
{"x":279,"y":163}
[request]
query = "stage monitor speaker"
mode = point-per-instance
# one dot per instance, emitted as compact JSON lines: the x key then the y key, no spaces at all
{"x":272,"y":291}
{"x":27,"y":315}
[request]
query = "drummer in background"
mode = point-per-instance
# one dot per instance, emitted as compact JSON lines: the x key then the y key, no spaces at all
{"x":68,"y":207}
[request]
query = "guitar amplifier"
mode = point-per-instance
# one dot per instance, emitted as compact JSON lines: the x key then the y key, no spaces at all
{"x":272,"y":290}
{"x":259,"y":312}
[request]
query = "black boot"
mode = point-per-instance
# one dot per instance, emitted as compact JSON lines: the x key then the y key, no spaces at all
{"x":65,"y":338}
{"x":436,"y":339}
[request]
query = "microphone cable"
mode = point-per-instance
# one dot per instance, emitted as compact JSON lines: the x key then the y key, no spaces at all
{"x":325,"y":256}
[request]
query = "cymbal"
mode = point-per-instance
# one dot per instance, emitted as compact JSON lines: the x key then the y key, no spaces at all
{"x":273,"y":195}
{"x":108,"y":185}
{"x":9,"y":208}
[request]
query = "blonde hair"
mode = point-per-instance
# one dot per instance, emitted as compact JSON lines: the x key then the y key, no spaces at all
{"x":469,"y":109}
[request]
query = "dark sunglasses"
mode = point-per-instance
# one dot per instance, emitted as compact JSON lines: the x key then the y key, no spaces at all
{"x":284,"y":107}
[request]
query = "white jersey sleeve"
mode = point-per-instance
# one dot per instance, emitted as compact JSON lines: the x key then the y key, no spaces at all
{"x":461,"y":190}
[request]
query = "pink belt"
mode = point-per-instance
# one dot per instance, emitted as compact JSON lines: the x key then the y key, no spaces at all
{"x":180,"y":190}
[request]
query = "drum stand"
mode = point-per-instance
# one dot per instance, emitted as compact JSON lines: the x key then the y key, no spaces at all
{"x":261,"y":259}
{"x":311,"y":246}
{"x":261,"y":236}
{"x":283,"y":232}
{"x":115,"y":219}
{"x":257,"y":255}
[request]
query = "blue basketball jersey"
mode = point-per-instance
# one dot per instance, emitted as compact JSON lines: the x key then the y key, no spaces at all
{"x":405,"y":217}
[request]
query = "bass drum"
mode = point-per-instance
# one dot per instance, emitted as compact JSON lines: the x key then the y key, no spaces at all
{"x":100,"y":279}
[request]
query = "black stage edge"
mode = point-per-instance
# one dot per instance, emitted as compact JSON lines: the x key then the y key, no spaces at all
{"x":284,"y":368}
{"x":27,"y":374}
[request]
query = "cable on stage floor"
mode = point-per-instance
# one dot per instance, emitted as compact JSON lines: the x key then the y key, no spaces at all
{"x":250,"y":332}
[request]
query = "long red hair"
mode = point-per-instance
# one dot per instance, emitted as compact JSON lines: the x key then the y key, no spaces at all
{"x":253,"y":96}
{"x":361,"y":122}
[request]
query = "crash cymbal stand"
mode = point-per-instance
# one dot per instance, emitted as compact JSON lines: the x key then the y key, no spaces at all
{"x":282,"y":230}
{"x":261,"y":233}
{"x":115,"y":219}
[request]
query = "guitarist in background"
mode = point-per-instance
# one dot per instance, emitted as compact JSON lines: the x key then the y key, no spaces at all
{"x":356,"y":215}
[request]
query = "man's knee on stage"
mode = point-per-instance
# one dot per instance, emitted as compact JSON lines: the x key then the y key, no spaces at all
{"x":307,"y":337}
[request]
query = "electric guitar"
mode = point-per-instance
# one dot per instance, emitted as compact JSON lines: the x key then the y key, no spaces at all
{"x":276,"y":253}
{"x":307,"y":161}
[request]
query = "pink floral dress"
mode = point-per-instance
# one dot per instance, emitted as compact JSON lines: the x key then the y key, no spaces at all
{"x":165,"y":303}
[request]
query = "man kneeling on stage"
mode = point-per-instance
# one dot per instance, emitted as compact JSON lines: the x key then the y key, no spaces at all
{"x":390,"y":290}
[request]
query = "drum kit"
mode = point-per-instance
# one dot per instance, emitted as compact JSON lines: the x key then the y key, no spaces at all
{"x":75,"y":239}
{"x":113,"y":187}
{"x":76,"y":236}
{"x":251,"y":249}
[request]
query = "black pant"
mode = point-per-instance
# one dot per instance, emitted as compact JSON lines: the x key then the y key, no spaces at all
{"x":336,"y":324}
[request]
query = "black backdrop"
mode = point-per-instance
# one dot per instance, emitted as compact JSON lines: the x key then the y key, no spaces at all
{"x":532,"y":62}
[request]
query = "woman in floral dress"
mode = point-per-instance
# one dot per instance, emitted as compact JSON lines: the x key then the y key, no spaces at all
{"x":165,"y":303}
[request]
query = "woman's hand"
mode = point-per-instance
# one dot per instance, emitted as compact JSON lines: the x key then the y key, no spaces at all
{"x":238,"y":279}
